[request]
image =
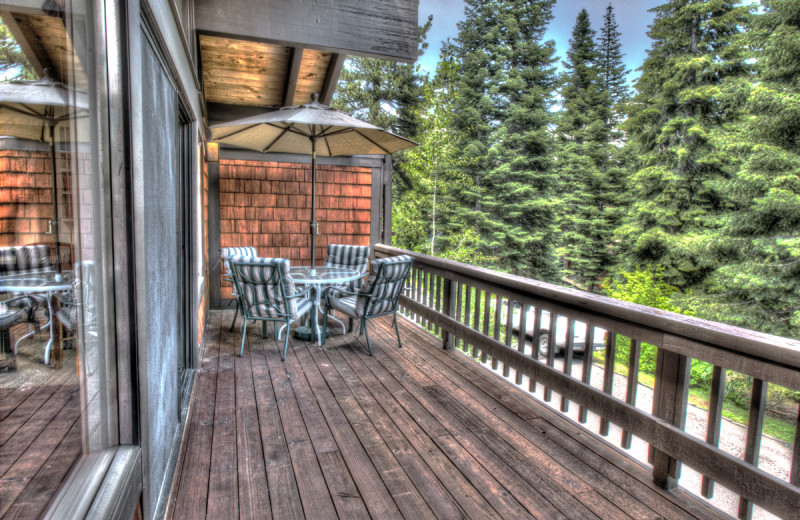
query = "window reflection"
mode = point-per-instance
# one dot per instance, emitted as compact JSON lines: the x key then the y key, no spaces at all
{"x":56,"y":402}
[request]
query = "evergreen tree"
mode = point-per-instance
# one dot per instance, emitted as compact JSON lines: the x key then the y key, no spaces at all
{"x":612,"y":70}
{"x":502,"y":113}
{"x":591,"y":179}
{"x":13,"y":63}
{"x":677,"y":210}
{"x":383,"y":92}
{"x":759,"y":286}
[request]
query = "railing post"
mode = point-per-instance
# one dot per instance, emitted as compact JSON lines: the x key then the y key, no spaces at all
{"x":669,"y":403}
{"x":449,"y":309}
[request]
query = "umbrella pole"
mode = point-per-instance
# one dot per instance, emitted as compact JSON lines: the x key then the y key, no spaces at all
{"x":314,"y":225}
{"x":54,"y":194}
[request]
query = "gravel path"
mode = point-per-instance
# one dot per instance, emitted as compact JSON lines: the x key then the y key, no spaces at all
{"x":775,"y":456}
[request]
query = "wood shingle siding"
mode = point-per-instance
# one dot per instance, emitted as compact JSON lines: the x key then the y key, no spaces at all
{"x":267,"y":205}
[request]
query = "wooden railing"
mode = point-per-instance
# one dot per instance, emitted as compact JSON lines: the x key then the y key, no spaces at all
{"x":468,"y":308}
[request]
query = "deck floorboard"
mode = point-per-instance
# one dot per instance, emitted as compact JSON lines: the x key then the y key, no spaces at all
{"x":414,"y":433}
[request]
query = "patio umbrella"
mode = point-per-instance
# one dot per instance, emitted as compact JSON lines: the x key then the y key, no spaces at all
{"x":313,"y":129}
{"x":32,"y":110}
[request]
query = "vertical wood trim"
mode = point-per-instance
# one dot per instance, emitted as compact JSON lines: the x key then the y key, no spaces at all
{"x":588,"y":358}
{"x":386,"y":223}
{"x":669,"y":403}
{"x":794,"y":478}
{"x":608,"y":375}
{"x":449,"y":307}
{"x":509,"y":335}
{"x":755,"y":424}
{"x":634,"y":356}
{"x":537,"y":331}
{"x":551,"y":351}
{"x":467,"y":311}
{"x":213,"y":236}
{"x":714,"y":420}
{"x":568,"y":358}
{"x":486,"y":317}
{"x":476,"y":319}
{"x":376,"y":209}
{"x":459,"y":302}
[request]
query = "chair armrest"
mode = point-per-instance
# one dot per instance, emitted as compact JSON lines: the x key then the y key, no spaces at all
{"x":300,"y":293}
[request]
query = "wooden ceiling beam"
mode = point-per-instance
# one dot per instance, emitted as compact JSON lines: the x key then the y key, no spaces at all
{"x":331,"y":78}
{"x":293,"y":73}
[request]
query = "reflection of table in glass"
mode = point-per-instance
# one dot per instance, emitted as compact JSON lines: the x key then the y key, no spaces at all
{"x":319,"y":278}
{"x":37,"y":283}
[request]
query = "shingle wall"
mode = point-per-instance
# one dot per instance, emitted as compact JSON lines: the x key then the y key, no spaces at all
{"x":267,"y":205}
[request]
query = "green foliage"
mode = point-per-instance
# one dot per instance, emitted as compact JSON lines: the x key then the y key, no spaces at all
{"x":501,"y":114}
{"x":13,"y":63}
{"x":590,"y":194}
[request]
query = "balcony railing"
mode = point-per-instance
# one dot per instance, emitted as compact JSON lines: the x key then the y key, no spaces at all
{"x":468,"y":308}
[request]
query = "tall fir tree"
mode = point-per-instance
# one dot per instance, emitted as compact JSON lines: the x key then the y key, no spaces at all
{"x":591,"y":180}
{"x":611,"y":68}
{"x":759,"y":285}
{"x":677,"y":210}
{"x":383,"y":92}
{"x":502,"y":112}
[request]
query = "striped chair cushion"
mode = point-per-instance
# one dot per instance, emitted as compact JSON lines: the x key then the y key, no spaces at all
{"x":260,"y":280}
{"x":353,"y":257}
{"x":380,"y":292}
{"x":226,"y":253}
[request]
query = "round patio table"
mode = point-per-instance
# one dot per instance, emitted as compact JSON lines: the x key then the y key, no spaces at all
{"x":318,"y":278}
{"x":50,"y":283}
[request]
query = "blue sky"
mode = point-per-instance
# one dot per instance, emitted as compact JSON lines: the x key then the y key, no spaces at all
{"x":632,"y":16}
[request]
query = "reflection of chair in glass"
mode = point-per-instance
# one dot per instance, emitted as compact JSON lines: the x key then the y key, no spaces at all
{"x":13,"y":311}
{"x":226,"y":253}
{"x":267,"y":293}
{"x":77,"y":307}
{"x":378,"y":296}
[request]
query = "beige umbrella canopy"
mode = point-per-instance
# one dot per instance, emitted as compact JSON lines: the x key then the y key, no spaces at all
{"x":313,"y":129}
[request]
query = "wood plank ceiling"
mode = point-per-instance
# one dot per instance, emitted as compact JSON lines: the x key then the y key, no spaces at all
{"x":48,"y":46}
{"x":258,"y":74}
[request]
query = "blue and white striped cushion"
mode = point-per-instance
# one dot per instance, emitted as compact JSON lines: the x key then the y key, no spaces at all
{"x":353,"y":257}
{"x":259,"y":280}
{"x":383,"y":286}
{"x":226,"y":253}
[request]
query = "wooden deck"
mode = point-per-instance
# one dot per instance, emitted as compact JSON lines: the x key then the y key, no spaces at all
{"x":413,"y":433}
{"x":40,"y":430}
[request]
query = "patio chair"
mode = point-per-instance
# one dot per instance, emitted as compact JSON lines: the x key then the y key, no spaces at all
{"x":267,"y":293}
{"x":352,"y":257}
{"x":378,"y":296}
{"x":17,"y":309}
{"x":77,"y":307}
{"x":226,"y":253}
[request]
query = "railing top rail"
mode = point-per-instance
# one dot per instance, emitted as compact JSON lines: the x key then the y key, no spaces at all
{"x":746,"y":342}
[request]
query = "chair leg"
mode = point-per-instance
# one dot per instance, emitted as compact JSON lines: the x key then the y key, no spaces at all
{"x":396,"y":329}
{"x":285,"y":345}
{"x":349,"y":325}
{"x":324,"y":326}
{"x":235,"y":313}
{"x":275,"y":329}
{"x":244,"y":334}
{"x":366,"y":333}
{"x":263,"y":330}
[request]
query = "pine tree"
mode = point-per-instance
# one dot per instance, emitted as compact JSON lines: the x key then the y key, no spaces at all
{"x":612,"y":69}
{"x":759,"y":285}
{"x":677,"y":210}
{"x":383,"y":92}
{"x":502,"y":112}
{"x":13,"y":63}
{"x":591,"y":180}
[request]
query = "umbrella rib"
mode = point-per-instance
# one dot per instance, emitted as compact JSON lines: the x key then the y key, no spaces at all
{"x":372,"y":141}
{"x":275,"y":140}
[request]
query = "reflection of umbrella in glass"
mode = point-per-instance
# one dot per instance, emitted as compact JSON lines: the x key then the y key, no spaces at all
{"x":309,"y":129}
{"x":33,"y":110}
